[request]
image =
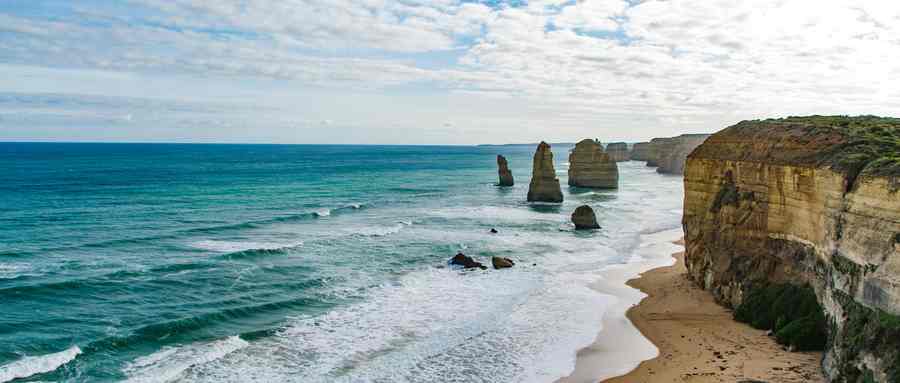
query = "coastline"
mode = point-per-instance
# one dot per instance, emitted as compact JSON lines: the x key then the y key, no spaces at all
{"x":698,"y":340}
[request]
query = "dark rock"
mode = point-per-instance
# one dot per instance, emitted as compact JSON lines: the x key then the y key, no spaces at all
{"x":493,"y":231}
{"x":466,"y":261}
{"x":583,"y":217}
{"x":502,"y":263}
{"x":506,"y":177}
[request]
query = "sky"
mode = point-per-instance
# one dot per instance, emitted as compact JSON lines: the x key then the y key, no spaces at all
{"x":435,"y":72}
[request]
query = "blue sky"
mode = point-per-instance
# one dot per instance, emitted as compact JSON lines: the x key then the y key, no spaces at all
{"x":432,"y":72}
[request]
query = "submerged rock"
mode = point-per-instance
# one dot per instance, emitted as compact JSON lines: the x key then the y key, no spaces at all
{"x":590,"y":167}
{"x":584,"y":218}
{"x":466,"y":261}
{"x":544,"y":186}
{"x":506,"y":177}
{"x":502,"y":263}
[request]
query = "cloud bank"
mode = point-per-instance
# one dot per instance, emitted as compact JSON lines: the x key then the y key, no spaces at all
{"x":553,"y":68}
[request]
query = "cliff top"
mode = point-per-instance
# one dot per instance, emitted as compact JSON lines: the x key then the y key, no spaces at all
{"x":867,"y":145}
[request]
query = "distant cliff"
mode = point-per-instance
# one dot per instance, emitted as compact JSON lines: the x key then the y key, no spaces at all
{"x":640,"y":151}
{"x":618,"y":151}
{"x":774,"y":208}
{"x":672,"y":153}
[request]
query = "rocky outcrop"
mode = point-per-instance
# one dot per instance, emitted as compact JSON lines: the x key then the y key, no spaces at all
{"x":618,"y":151}
{"x":640,"y":151}
{"x":654,"y":149}
{"x":673,"y":152}
{"x":506,"y":177}
{"x":544,"y":186}
{"x":466,"y":262}
{"x":810,"y":201}
{"x":583,"y":217}
{"x":590,"y":167}
{"x":502,"y":263}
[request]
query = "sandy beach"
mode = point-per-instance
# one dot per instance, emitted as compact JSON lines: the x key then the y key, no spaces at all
{"x":698,"y":340}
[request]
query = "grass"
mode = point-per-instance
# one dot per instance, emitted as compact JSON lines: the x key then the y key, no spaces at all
{"x":871,"y":146}
{"x":792,"y":312}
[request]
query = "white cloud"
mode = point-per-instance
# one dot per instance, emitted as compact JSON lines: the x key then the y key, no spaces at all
{"x":676,"y":64}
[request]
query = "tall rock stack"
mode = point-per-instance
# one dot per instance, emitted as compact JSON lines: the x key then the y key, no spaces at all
{"x":673,"y":154}
{"x":641,"y":151}
{"x":591,"y":167}
{"x":544,"y":186}
{"x":804,"y":201}
{"x":618,"y":151}
{"x":506,"y":177}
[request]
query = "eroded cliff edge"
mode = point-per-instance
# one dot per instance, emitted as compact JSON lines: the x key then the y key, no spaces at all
{"x":805,"y":201}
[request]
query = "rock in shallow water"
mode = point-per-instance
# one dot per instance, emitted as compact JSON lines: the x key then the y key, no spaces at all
{"x":583,"y":217}
{"x":502,"y":263}
{"x":591,"y":167}
{"x":544,"y":185}
{"x":466,"y":261}
{"x":506,"y":177}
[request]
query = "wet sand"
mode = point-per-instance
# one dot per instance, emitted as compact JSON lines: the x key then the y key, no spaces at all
{"x":698,"y":340}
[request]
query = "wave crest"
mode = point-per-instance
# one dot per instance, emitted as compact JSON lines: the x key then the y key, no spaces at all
{"x":33,"y":365}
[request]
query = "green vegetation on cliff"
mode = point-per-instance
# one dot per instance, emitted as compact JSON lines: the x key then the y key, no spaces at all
{"x":871,"y":144}
{"x":868,"y":330}
{"x":790,"y":311}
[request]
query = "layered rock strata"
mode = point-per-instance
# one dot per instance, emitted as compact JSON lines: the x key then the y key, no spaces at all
{"x":618,"y":151}
{"x":506,"y":177}
{"x":591,"y":167}
{"x":653,"y":150}
{"x":544,"y":186}
{"x":805,"y":201}
{"x":640,"y":151}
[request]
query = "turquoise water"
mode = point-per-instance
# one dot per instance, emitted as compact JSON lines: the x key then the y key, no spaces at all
{"x":154,"y":262}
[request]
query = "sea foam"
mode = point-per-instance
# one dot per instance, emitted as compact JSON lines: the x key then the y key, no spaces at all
{"x":170,"y":363}
{"x":32,"y":365}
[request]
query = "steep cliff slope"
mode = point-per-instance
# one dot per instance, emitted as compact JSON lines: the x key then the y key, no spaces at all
{"x":774,"y":208}
{"x":640,"y":151}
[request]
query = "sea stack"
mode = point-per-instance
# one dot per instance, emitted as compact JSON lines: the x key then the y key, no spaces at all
{"x":618,"y":151}
{"x":506,"y":177}
{"x":590,"y":167}
{"x":583,"y":217}
{"x":544,"y":185}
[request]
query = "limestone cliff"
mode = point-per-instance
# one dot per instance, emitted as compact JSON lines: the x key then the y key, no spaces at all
{"x":809,"y":201}
{"x":640,"y":151}
{"x":618,"y":151}
{"x":673,"y":152}
{"x":590,"y":167}
{"x":653,"y":150}
{"x":544,"y":186}
{"x":506,"y":177}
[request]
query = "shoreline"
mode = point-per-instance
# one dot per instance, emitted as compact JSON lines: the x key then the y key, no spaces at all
{"x":697,"y":339}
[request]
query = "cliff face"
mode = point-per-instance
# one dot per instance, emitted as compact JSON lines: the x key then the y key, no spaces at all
{"x":618,"y":151}
{"x":544,"y":186}
{"x":641,"y":151}
{"x":590,"y":167}
{"x":805,"y":201}
{"x":506,"y":177}
{"x":653,"y":150}
{"x":672,"y":153}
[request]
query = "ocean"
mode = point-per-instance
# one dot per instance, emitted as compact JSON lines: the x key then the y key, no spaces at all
{"x":304,"y":263}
